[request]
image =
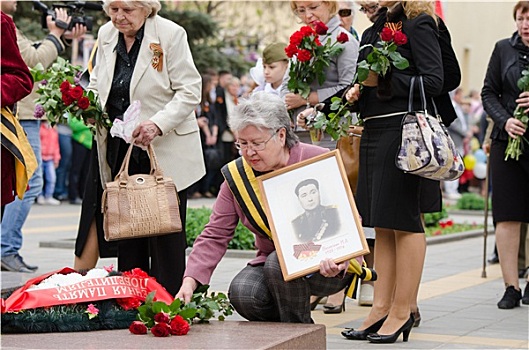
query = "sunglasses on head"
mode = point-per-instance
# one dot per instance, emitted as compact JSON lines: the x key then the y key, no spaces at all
{"x":344,"y":12}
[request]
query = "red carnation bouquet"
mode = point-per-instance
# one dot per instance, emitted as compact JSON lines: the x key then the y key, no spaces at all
{"x":62,"y":97}
{"x":309,"y":57}
{"x":384,"y":55}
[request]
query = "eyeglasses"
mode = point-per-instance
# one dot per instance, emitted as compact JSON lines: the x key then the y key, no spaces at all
{"x":345,"y":12}
{"x":368,"y":9}
{"x":255,"y":146}
{"x":302,"y":11}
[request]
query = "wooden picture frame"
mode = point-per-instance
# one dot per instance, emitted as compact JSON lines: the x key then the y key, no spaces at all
{"x":312,"y":214}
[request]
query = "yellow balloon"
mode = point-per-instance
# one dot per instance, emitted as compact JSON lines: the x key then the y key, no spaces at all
{"x":470,"y":161}
{"x":474,"y":144}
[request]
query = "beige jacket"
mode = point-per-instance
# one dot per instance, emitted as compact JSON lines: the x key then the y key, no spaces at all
{"x":168,"y":98}
{"x":46,"y":53}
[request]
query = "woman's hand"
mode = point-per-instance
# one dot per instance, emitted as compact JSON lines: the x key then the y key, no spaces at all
{"x":145,"y":133}
{"x":514,"y":127}
{"x":77,"y":31}
{"x":523,"y":101}
{"x":293,"y":101}
{"x":189,"y":284}
{"x":302,"y":118}
{"x":353,"y":94}
{"x":328,"y":268}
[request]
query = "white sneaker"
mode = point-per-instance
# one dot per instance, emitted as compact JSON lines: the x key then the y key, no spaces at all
{"x":47,"y":201}
{"x":366,"y":295}
{"x":41,"y":200}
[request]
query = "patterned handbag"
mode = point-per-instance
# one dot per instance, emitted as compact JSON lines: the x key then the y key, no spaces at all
{"x":141,"y":205}
{"x":426,"y":147}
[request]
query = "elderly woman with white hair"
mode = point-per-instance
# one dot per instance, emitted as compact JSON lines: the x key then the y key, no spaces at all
{"x":258,"y":292}
{"x":142,"y":56}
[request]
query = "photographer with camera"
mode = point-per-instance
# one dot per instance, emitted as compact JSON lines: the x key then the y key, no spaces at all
{"x":45,"y":52}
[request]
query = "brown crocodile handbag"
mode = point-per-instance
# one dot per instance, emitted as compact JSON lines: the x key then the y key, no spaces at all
{"x":141,"y":205}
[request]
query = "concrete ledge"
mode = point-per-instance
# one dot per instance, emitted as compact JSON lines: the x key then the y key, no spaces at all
{"x":215,"y":335}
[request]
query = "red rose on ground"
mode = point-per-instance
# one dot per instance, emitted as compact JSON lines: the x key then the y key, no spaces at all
{"x":67,"y":99}
{"x":137,"y":327}
{"x":162,"y":317}
{"x":400,"y":38}
{"x":342,"y":38}
{"x":76,"y":92}
{"x":179,"y":326}
{"x":291,"y":50}
{"x":83,"y":103}
{"x":320,"y":28}
{"x":386,"y":34}
{"x":304,"y":55}
{"x":129,"y":303}
{"x":65,"y":86}
{"x":161,"y":330}
{"x":296,"y":38}
{"x":306,"y":31}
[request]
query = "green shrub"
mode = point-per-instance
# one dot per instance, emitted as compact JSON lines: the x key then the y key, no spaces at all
{"x":471,"y":201}
{"x":432,"y":219}
{"x":197,"y":218}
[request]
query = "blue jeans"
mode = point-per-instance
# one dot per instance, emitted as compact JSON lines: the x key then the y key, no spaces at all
{"x":48,"y":172}
{"x":16,"y":212}
{"x":61,"y":187}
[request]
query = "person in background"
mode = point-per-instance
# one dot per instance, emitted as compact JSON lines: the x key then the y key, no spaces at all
{"x":208,"y":136}
{"x":81,"y":143}
{"x":510,"y":177}
{"x":371,"y":9}
{"x":347,"y":13}
{"x":258,"y":292}
{"x":142,"y":56}
{"x":275,"y":69}
{"x":16,"y":83}
{"x":44,"y":52}
{"x":401,"y":246}
{"x":63,"y":170}
{"x":51,"y":155}
{"x":342,"y":68}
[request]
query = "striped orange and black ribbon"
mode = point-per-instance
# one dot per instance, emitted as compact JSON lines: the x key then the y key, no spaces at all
{"x":243,"y":184}
{"x":13,"y":139}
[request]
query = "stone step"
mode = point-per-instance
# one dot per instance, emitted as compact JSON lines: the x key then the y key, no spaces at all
{"x":214,"y":335}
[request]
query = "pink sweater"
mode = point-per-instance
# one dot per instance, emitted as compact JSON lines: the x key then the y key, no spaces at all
{"x":211,"y":245}
{"x":49,"y":140}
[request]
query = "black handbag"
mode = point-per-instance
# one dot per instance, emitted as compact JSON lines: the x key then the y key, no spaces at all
{"x":426,"y":147}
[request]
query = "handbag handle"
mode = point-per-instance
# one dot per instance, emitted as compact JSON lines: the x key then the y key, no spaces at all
{"x":123,"y":173}
{"x":422,"y":94}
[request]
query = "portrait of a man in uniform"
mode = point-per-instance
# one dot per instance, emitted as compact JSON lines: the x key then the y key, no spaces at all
{"x":317,"y":222}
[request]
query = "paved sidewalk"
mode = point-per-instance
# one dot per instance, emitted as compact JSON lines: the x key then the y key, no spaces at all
{"x":457,"y":305}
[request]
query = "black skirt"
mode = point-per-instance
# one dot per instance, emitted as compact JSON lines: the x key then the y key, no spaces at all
{"x":510,"y":184}
{"x":387,"y":197}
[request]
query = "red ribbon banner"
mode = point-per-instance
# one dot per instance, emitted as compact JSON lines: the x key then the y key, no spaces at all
{"x":93,"y":289}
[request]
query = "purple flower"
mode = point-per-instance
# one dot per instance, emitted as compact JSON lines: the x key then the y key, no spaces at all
{"x":43,"y":82}
{"x":39,"y":111}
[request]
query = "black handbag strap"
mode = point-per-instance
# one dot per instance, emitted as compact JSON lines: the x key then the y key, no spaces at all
{"x":413,"y":81}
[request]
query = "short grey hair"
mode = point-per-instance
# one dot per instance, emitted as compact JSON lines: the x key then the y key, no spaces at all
{"x":152,"y":6}
{"x":265,"y":111}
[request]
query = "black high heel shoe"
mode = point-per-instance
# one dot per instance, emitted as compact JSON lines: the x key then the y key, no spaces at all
{"x":352,"y":334}
{"x":391,"y":338}
{"x":335,"y":309}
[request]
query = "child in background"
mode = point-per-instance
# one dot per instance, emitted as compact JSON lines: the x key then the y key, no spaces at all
{"x":51,"y":155}
{"x":275,"y":70}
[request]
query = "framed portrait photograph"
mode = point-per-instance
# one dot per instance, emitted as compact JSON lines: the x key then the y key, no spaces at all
{"x":312,"y":214}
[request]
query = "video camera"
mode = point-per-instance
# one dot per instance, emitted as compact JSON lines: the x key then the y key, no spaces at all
{"x":75,"y":9}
